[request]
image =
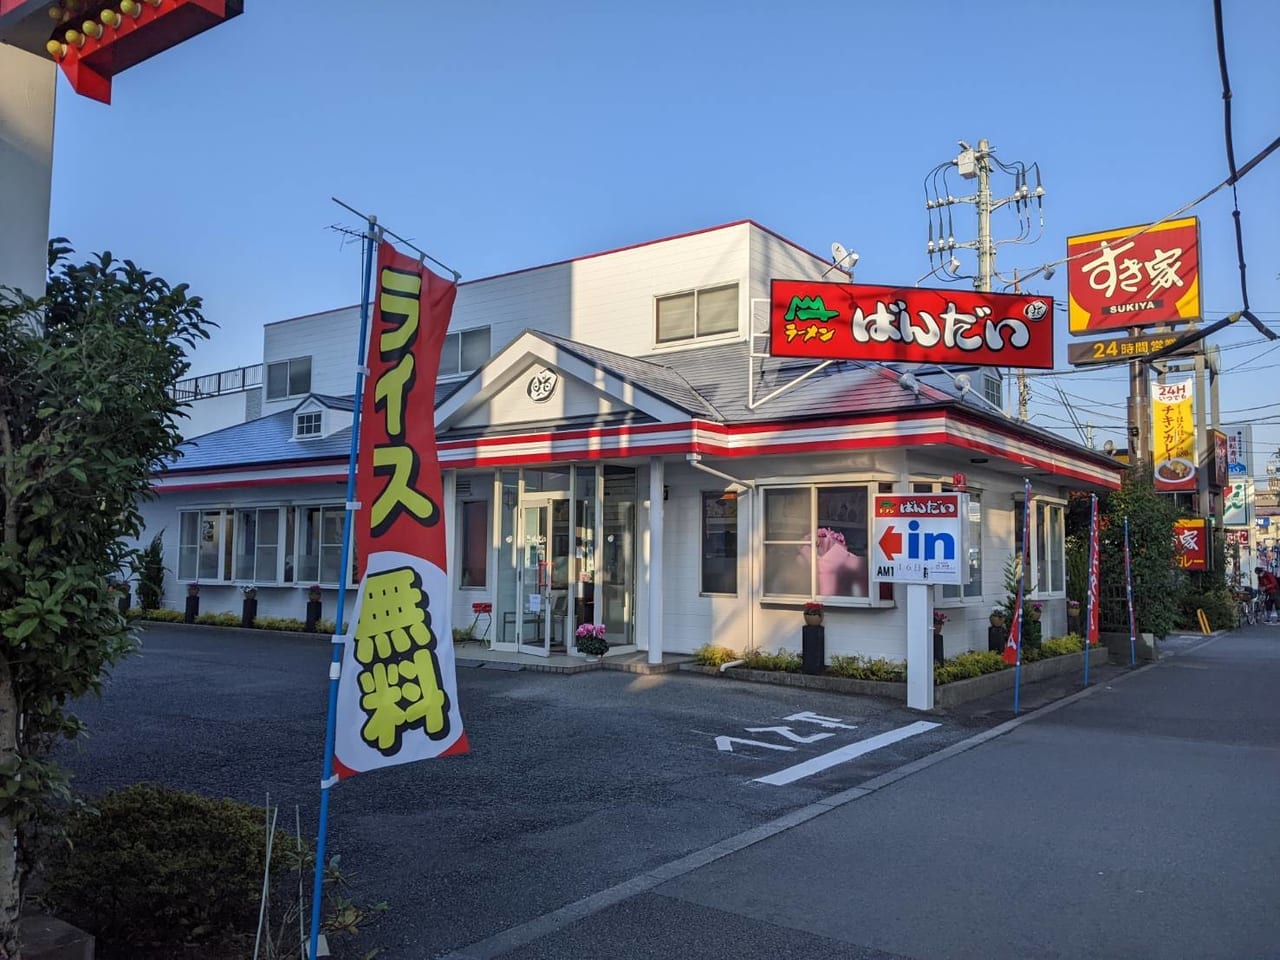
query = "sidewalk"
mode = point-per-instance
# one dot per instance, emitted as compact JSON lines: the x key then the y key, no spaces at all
{"x":1123,"y":823}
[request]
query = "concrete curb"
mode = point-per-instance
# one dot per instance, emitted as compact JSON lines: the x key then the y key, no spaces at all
{"x":196,"y":628}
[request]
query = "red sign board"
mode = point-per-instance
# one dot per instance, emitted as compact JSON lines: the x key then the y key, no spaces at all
{"x":1220,"y":460}
{"x":847,"y":321}
{"x":1190,"y":545}
{"x":1133,"y":277}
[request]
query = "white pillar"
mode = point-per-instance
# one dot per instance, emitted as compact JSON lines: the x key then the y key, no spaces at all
{"x":26,"y":167}
{"x":449,"y":495}
{"x":654,"y":573}
{"x":919,"y":647}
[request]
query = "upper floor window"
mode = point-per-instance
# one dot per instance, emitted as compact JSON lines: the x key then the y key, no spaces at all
{"x":308,"y":425}
{"x":698,"y":313}
{"x":289,"y":378}
{"x":464,"y":351}
{"x":991,"y":391}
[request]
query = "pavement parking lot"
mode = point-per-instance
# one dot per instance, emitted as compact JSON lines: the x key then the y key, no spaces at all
{"x":574,"y":783}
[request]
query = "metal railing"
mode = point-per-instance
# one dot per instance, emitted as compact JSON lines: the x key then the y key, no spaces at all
{"x":215,"y":384}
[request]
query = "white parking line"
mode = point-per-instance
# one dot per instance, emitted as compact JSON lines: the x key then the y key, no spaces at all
{"x":809,"y":767}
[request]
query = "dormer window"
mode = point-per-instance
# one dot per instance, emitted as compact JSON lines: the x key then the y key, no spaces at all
{"x":307,"y":425}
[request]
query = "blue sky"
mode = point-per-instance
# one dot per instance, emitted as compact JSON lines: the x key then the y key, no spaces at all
{"x":501,"y":136}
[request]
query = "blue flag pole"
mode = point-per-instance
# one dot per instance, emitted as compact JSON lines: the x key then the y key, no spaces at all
{"x":1022,"y":581}
{"x":335,"y":665}
{"x":1128,"y":586}
{"x":1088,"y":580}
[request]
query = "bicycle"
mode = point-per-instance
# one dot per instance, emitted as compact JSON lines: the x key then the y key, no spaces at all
{"x":1250,"y":606}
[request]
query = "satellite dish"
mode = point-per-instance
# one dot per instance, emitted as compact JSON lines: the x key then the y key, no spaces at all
{"x":963,"y":383}
{"x":838,"y":252}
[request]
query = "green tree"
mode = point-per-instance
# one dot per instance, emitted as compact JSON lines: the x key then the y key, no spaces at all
{"x":86,"y":418}
{"x":1157,"y":585}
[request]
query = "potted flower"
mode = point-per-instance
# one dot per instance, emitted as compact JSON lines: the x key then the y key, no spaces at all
{"x":589,"y":639}
{"x":314,"y":609}
{"x":249,"y":606}
{"x":1037,"y":610}
{"x":813,"y":614}
{"x":997,"y":617}
{"x":939,"y":618}
{"x":193,"y":603}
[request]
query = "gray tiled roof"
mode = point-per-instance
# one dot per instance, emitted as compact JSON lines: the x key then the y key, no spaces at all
{"x":265,"y":440}
{"x":653,"y":375}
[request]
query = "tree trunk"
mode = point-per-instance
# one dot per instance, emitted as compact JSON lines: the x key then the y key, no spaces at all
{"x":10,"y":878}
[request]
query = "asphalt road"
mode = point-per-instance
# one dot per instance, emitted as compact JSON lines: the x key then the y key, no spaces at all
{"x":613,"y":815}
{"x":574,"y":784}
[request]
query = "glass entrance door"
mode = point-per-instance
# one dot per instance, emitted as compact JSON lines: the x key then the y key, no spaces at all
{"x":545,"y":562}
{"x":533,"y":618}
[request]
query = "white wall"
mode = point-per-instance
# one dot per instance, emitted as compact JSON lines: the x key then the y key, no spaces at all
{"x":606,"y":300}
{"x":691,"y":619}
{"x":161,"y":515}
{"x":26,"y":167}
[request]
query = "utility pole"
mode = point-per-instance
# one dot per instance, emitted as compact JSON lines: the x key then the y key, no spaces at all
{"x":978,"y":165}
{"x":986,"y":252}
{"x":1024,"y":388}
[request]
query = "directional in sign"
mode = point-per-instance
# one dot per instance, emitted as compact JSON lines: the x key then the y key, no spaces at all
{"x":890,"y":542}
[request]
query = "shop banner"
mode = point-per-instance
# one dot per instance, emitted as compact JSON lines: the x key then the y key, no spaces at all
{"x":855,"y":321}
{"x":1190,"y":544}
{"x":1013,"y":645}
{"x":1173,"y":436}
{"x":1133,"y":277}
{"x":1237,"y":504}
{"x":1239,"y":450}
{"x":397,"y":693}
{"x":1092,"y":618}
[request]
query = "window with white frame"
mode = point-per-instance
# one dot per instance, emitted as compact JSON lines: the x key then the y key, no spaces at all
{"x":319,"y":531}
{"x":973,"y":535}
{"x":204,"y":545}
{"x":473,"y":544}
{"x":289,"y":378}
{"x":815,"y":541}
{"x":697,"y":313}
{"x":464,"y":351}
{"x":1045,"y":572}
{"x":308,"y":425}
{"x":257,"y":545}
{"x":720,"y":543}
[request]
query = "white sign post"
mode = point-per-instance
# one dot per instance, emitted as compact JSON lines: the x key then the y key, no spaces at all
{"x":919,"y":539}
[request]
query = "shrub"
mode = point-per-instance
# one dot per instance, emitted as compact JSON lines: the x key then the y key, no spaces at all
{"x":157,"y":866}
{"x":709,"y":655}
{"x":163,"y":615}
{"x":1061,"y":646}
{"x":975,"y":663}
{"x":287,"y":623}
{"x":219,"y":619}
{"x":1222,"y":611}
{"x":151,"y":574}
{"x":867,"y":668}
{"x":783,"y":661}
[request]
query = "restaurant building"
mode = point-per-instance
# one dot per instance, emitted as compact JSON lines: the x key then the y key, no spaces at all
{"x":620,"y":448}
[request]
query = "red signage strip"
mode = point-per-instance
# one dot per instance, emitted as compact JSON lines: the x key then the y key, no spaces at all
{"x":843,"y":321}
{"x":1127,"y":278}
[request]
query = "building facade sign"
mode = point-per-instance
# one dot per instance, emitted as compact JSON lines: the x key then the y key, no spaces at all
{"x":1173,"y":436}
{"x":846,"y":321}
{"x":1117,"y":349}
{"x":1133,"y":277}
{"x":1239,"y":450}
{"x":1237,"y":504}
{"x":919,"y":538}
{"x":1190,"y":544}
